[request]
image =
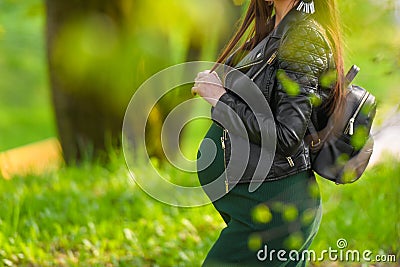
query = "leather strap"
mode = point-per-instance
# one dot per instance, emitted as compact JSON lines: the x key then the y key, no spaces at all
{"x":314,"y":134}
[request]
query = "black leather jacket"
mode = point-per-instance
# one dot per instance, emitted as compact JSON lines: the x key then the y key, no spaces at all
{"x":289,"y":65}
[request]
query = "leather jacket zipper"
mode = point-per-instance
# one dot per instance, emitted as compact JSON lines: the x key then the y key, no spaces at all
{"x":223,"y":138}
{"x":272,"y":58}
{"x":269,"y":62}
{"x":350,"y":126}
{"x":249,"y":64}
{"x":244,"y":66}
{"x":225,"y":131}
{"x":290,"y":161}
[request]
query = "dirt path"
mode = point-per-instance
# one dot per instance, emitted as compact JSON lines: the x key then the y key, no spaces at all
{"x":387,"y":140}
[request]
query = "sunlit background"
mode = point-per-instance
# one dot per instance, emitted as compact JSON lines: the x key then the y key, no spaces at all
{"x":68,"y":70}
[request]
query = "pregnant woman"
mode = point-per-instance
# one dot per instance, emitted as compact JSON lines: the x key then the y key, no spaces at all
{"x":294,"y":48}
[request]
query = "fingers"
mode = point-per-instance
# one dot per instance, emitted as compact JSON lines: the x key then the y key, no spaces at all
{"x":194,"y":90}
{"x":207,"y":73}
{"x":203,"y":73}
{"x":205,"y":77}
{"x":197,"y":86}
{"x":208,"y":78}
{"x":216,"y":75}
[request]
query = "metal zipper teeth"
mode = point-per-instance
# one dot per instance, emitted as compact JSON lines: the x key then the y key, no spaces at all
{"x":290,"y":161}
{"x":356,"y":112}
{"x":250,"y":64}
{"x":223,"y":138}
{"x":272,"y":58}
{"x":269,"y":62}
{"x":244,"y":66}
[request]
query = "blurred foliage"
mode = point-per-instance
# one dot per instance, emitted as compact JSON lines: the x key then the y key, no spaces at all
{"x":94,"y":216}
{"x":291,"y":87}
{"x":116,"y":55}
{"x":61,"y":219}
{"x":101,"y":51}
{"x":365,"y":213}
{"x":95,"y":48}
{"x":372,"y":38}
{"x":25,"y":110}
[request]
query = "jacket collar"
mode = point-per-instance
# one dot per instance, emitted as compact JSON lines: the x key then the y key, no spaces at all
{"x":259,"y":53}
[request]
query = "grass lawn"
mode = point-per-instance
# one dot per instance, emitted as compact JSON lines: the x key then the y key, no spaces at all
{"x":95,"y":216}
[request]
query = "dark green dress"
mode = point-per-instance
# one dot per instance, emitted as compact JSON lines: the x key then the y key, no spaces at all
{"x":280,"y":215}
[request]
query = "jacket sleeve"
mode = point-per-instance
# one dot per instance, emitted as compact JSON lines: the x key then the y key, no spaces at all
{"x":302,"y":58}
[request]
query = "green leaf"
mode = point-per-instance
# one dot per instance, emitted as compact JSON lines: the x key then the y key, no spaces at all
{"x":290,"y":213}
{"x":359,"y":137}
{"x":294,"y":241}
{"x":262,"y":214}
{"x":255,"y":242}
{"x":291,"y":87}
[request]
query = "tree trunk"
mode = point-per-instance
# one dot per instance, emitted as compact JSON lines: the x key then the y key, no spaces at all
{"x":96,"y":60}
{"x":86,"y":126}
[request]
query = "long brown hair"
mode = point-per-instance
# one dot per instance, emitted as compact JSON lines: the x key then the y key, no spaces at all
{"x":257,"y":24}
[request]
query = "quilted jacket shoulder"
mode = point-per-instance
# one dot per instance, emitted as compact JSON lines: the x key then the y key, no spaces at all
{"x":305,"y":50}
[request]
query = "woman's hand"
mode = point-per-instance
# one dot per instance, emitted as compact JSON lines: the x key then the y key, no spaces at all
{"x":209,"y":86}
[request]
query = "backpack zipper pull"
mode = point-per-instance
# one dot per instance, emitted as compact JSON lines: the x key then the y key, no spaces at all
{"x":351,"y":126}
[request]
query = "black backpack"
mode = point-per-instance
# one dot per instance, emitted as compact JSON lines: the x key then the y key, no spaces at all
{"x":341,"y":151}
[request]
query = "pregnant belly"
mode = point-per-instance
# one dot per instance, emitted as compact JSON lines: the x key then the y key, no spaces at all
{"x":210,"y":156}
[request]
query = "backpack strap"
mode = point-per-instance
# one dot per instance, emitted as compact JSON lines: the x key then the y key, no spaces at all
{"x":315,"y":139}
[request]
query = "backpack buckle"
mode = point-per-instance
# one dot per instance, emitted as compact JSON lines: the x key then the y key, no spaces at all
{"x":316,"y":144}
